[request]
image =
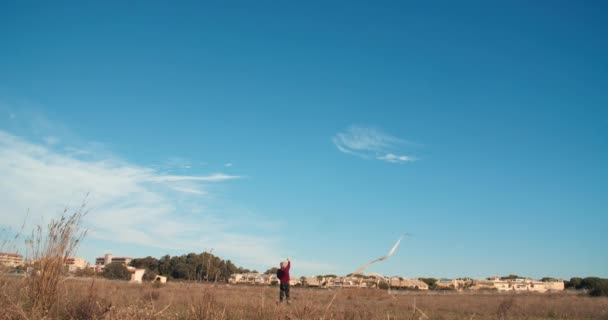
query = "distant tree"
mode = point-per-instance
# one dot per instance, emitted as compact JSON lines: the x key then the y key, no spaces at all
{"x":243,"y":270}
{"x":599,"y":288}
{"x":148,"y":263}
{"x":574,"y":283}
{"x":303,"y":280}
{"x":590,"y":283}
{"x":229,"y":269}
{"x":429,"y":282}
{"x":383,"y":285}
{"x":510,"y":277}
{"x":548,"y":279}
{"x":195,"y":267}
{"x":330,"y":276}
{"x":164,"y":265}
{"x":181,"y":271}
{"x":116,"y":271}
{"x":271,"y":271}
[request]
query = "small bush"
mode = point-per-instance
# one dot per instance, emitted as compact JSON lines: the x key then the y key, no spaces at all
{"x":116,"y":271}
{"x":149,"y":275}
{"x":89,"y":307}
{"x":86,"y":272}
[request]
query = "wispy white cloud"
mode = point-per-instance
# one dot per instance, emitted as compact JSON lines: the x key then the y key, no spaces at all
{"x":229,"y":164}
{"x":188,"y":190}
{"x":393,"y":158}
{"x":216,"y":177}
{"x":131,"y":204}
{"x":369,"y":142}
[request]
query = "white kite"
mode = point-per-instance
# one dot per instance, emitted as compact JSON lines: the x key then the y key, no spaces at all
{"x":390,"y":253}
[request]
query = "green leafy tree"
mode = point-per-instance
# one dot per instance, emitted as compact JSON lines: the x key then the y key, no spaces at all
{"x":229,"y":268}
{"x":599,"y":288}
{"x":195,"y":267}
{"x":574,"y":283}
{"x":116,"y":271}
{"x":164,"y":265}
{"x":182,"y":271}
{"x":590,"y":283}
{"x":148,"y":263}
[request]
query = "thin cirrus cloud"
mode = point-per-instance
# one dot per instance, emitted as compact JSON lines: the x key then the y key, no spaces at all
{"x":371,"y":143}
{"x":216,"y":177}
{"x":130,"y":204}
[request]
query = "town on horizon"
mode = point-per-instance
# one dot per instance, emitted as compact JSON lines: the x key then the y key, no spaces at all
{"x":76,"y":265}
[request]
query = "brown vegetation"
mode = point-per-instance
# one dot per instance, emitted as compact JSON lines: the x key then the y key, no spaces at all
{"x":86,"y":298}
{"x":47,"y":294}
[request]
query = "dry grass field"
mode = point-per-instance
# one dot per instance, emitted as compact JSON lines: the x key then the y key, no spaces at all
{"x":85,"y":298}
{"x":47,"y":294}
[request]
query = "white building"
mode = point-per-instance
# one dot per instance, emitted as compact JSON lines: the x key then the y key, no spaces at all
{"x":11,"y":259}
{"x":101,"y":262}
{"x":74,"y":264}
{"x":518,"y":285}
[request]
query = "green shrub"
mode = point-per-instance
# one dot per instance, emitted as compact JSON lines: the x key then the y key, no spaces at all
{"x":599,"y":288}
{"x":116,"y":271}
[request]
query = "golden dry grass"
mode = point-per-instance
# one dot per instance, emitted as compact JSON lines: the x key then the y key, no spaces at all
{"x":47,"y":294}
{"x":103,"y":299}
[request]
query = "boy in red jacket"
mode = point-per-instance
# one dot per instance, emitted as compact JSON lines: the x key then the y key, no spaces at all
{"x":283,"y":275}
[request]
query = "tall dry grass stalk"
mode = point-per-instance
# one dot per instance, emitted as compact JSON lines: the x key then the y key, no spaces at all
{"x":48,"y":248}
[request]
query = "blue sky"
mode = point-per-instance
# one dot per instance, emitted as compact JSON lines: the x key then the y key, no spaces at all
{"x":321,"y":131}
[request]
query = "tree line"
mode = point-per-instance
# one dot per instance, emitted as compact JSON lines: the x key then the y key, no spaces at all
{"x":194,"y":267}
{"x":594,"y":285}
{"x":208,"y":267}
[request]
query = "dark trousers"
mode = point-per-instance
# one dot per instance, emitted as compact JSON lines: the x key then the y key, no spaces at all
{"x":284,"y":290}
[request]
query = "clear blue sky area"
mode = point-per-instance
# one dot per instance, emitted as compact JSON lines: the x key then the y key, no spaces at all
{"x":478,"y":127}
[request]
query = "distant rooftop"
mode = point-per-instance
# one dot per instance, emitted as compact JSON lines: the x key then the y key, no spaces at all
{"x":16,"y":255}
